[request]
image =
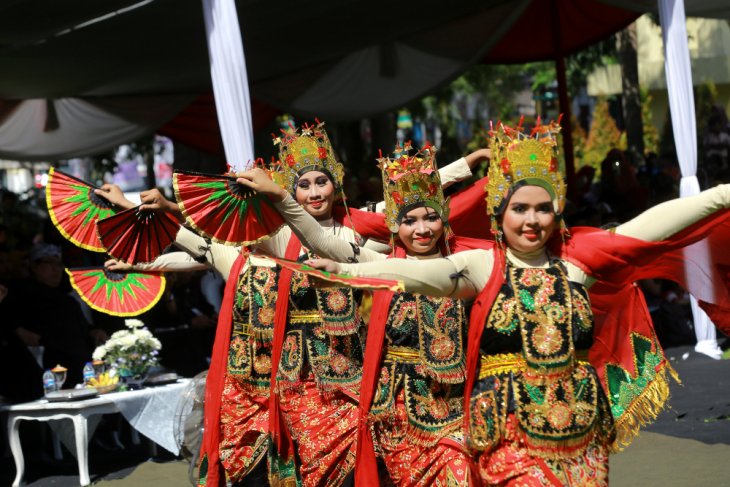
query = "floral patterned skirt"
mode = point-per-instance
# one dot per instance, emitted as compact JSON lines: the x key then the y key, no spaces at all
{"x":409,"y":463}
{"x":244,"y":428}
{"x":510,"y":465}
{"x":324,"y":427}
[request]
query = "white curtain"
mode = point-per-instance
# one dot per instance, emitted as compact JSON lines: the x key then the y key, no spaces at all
{"x":682,"y":106}
{"x":42,"y":130}
{"x":230,"y":81}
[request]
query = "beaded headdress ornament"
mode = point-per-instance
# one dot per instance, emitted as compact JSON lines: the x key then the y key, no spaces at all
{"x":520,"y":159}
{"x":410,"y":181}
{"x":308,"y":149}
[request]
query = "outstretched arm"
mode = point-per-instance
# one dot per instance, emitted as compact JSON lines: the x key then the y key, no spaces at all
{"x":170,"y":262}
{"x":316,"y":239}
{"x":462,"y":275}
{"x":308,"y":230}
{"x":666,"y":219}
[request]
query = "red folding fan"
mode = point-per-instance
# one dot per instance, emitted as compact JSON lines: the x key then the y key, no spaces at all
{"x":74,"y":209}
{"x":341,"y":279}
{"x":117,"y":293}
{"x":223,"y":210}
{"x":136,"y":235}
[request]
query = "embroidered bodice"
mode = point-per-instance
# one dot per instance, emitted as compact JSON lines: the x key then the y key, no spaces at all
{"x":424,"y":358}
{"x":249,"y":355}
{"x":530,"y":366}
{"x":324,"y":335}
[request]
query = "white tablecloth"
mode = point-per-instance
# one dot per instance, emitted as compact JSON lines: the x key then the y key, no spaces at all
{"x":151,"y":411}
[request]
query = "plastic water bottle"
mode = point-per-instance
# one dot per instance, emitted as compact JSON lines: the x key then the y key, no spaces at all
{"x":89,"y":372}
{"x":49,"y":382}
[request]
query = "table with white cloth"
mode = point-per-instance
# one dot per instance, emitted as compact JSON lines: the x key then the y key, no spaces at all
{"x":151,"y":411}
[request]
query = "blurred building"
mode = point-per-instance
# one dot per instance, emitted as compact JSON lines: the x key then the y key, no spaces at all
{"x":709,"y":45}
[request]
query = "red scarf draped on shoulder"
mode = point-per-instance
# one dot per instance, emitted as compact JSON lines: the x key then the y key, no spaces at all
{"x":214,"y":381}
{"x":282,"y":440}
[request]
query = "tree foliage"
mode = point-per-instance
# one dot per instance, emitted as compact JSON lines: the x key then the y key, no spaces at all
{"x":603,"y":136}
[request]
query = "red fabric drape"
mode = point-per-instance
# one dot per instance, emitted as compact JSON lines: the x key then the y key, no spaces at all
{"x":215,"y":379}
{"x":280,"y":434}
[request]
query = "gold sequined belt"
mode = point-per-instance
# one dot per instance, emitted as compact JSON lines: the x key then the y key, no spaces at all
{"x":502,"y":363}
{"x":297,"y":317}
{"x":403,"y":354}
{"x":240,"y":328}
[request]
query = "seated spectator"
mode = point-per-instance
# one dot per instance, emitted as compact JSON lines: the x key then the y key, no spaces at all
{"x":41,"y":316}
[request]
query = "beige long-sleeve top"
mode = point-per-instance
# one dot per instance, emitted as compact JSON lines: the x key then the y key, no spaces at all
{"x":473,"y":268}
{"x":198,"y":253}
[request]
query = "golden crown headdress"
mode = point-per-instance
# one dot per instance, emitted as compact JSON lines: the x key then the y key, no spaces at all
{"x":307,"y":149}
{"x":410,"y":181}
{"x":519,"y":158}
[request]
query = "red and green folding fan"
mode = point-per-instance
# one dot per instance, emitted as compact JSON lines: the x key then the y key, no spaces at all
{"x":74,"y":209}
{"x":136,"y":235}
{"x":341,"y":279}
{"x":117,"y":293}
{"x":223,"y":210}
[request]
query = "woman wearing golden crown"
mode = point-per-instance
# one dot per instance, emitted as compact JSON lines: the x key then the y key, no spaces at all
{"x":411,"y":393}
{"x":563,"y":365}
{"x":318,"y":341}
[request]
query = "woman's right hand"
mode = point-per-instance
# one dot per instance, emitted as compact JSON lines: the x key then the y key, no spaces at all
{"x":153,"y":199}
{"x":114,"y":195}
{"x":117,"y":266}
{"x":259,"y":181}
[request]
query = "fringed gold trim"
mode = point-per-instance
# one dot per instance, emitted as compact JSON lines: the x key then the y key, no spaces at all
{"x":246,"y":386}
{"x":454,"y":375}
{"x":332,"y":328}
{"x":557,"y":450}
{"x":644,"y":409}
{"x":416,"y":435}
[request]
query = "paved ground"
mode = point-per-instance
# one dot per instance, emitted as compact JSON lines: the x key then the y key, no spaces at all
{"x":689,"y":445}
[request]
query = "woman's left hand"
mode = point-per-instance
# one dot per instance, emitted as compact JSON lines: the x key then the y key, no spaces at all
{"x":326,"y":265}
{"x":259,"y":181}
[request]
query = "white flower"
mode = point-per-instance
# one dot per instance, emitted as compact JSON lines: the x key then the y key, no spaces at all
{"x":133,"y":324}
{"x":99,"y":352}
{"x":135,"y":347}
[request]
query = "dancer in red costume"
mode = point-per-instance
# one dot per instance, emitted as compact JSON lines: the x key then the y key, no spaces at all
{"x":563,"y":365}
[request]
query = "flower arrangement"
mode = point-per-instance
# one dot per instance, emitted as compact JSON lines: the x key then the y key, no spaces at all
{"x":132,"y":351}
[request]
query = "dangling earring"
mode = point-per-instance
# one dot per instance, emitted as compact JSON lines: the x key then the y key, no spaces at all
{"x":564,"y":232}
{"x":497,"y":232}
{"x":447,"y":235}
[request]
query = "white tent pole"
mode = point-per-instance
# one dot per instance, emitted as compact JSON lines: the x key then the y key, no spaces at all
{"x":682,"y":106}
{"x":230,"y":81}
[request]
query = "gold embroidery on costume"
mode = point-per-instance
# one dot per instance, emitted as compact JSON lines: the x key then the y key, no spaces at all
{"x":557,"y":401}
{"x":249,"y":356}
{"x":424,"y":359}
{"x":324,"y":328}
